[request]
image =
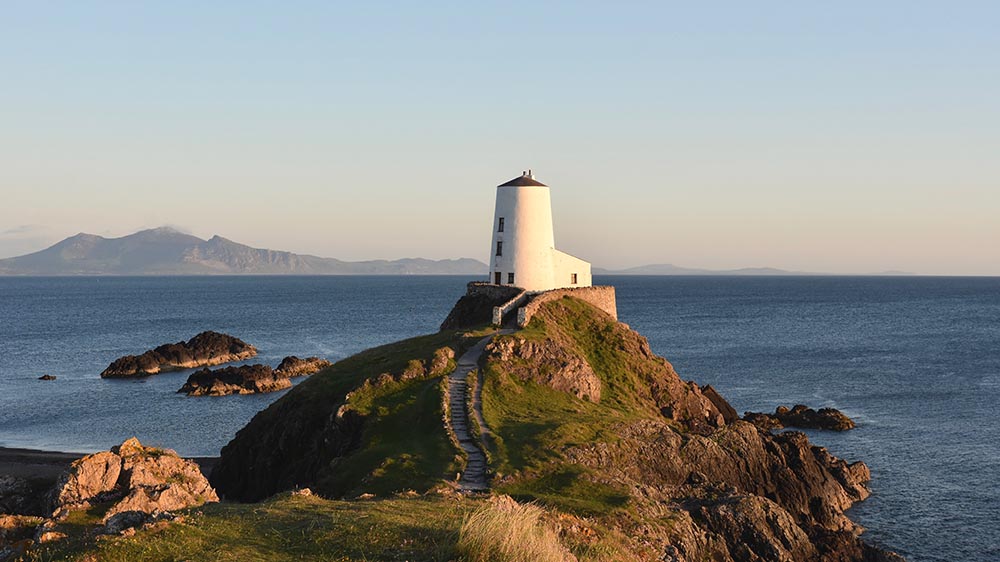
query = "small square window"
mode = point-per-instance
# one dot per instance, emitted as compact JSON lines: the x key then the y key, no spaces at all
{"x":510,"y":278}
{"x":572,"y":278}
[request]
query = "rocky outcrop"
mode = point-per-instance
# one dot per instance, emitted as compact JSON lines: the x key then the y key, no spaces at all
{"x":802,"y":417}
{"x":292,"y":366}
{"x":135,"y":481}
{"x":23,"y":496}
{"x":547,"y":363}
{"x":704,"y":484}
{"x":250,"y":379}
{"x":243,"y":379}
{"x":728,"y":412}
{"x":204,"y":350}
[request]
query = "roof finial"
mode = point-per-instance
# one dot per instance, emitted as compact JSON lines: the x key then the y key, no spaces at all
{"x":530,"y":175}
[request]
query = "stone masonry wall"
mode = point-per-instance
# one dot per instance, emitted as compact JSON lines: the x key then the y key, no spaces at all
{"x":499,"y":293}
{"x":602,"y":297}
{"x":501,"y":312}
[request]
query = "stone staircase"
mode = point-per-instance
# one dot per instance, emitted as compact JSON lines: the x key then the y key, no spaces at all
{"x":473,"y":478}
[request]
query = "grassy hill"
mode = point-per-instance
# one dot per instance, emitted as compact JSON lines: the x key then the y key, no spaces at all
{"x":611,"y":455}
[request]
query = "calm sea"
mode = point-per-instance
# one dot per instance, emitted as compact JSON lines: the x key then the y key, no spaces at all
{"x":916,"y":361}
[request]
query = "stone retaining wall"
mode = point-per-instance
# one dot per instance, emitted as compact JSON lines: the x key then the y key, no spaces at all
{"x":602,"y":297}
{"x":499,"y":312}
{"x":498,"y":293}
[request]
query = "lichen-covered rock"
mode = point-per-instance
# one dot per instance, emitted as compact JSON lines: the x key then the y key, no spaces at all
{"x":89,"y":478}
{"x":803,"y":417}
{"x":293,"y":366}
{"x":242,"y":379}
{"x":204,"y":350}
{"x":132,"y":478}
{"x":547,"y":363}
{"x":441,"y":362}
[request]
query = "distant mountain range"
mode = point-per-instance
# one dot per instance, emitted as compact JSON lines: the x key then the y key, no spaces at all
{"x":671,"y":269}
{"x":165,"y":251}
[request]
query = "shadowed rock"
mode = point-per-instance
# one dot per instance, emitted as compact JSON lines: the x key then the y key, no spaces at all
{"x":204,"y":350}
{"x":243,"y":379}
{"x":250,"y":379}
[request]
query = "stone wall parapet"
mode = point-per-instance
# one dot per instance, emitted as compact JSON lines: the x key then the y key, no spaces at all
{"x":600,"y":296}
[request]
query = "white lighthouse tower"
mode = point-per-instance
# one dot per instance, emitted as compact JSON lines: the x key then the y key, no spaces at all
{"x":523,"y":252}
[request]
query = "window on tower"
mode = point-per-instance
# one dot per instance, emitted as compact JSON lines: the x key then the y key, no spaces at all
{"x":510,"y":278}
{"x":496,"y":278}
{"x":500,"y":227}
{"x":499,"y":248}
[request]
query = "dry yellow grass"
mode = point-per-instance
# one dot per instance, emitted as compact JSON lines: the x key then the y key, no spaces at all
{"x":506,"y":531}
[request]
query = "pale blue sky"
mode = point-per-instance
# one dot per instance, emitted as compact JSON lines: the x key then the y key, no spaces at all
{"x":841,"y":137}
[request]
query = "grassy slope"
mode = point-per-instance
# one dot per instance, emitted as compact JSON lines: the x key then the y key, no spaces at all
{"x":309,"y":528}
{"x":534,"y":424}
{"x":293,"y":528}
{"x":403,"y":444}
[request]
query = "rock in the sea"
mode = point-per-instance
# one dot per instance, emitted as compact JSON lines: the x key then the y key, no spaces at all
{"x":292,"y":366}
{"x":243,"y":379}
{"x":802,"y":417}
{"x":47,"y":378}
{"x":137,"y":481}
{"x":204,"y":350}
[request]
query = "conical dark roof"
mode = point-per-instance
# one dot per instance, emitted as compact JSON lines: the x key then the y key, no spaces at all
{"x":525,"y":179}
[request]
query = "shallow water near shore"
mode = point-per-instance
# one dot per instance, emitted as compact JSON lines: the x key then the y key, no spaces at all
{"x":915,"y":361}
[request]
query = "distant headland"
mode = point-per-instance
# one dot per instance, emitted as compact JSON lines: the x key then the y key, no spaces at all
{"x":166,"y":251}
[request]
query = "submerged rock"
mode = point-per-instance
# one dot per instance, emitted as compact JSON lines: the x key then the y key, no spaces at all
{"x":802,"y":417}
{"x":204,"y":350}
{"x":47,"y":378}
{"x":243,"y":379}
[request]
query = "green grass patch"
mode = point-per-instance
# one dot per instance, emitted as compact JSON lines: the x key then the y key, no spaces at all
{"x":534,"y":424}
{"x":404,"y":445}
{"x":569,"y":489}
{"x":292,"y":528}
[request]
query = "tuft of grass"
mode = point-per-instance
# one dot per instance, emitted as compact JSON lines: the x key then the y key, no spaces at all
{"x":506,"y":531}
